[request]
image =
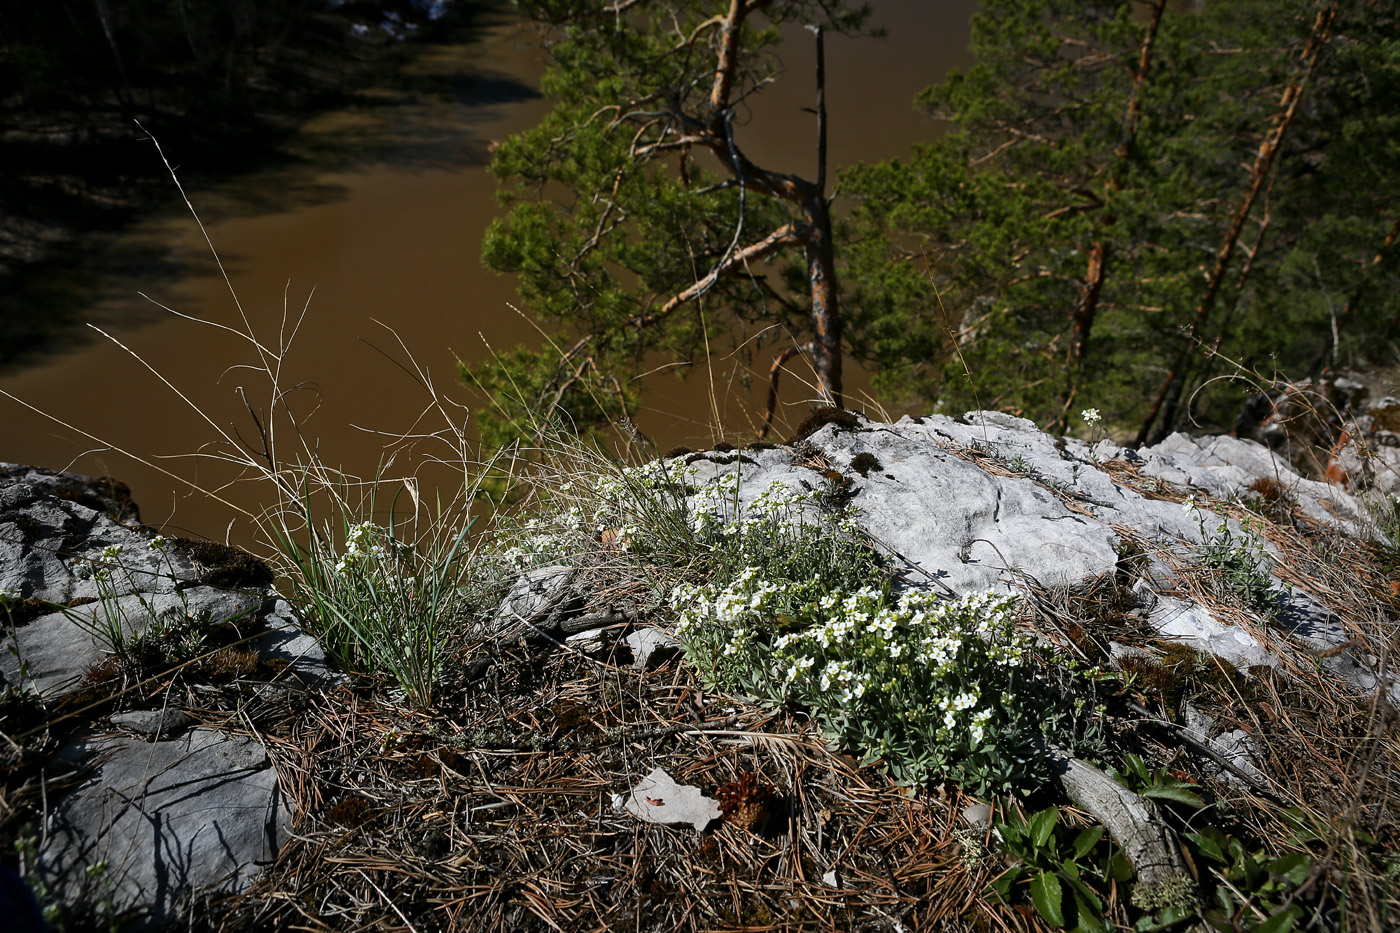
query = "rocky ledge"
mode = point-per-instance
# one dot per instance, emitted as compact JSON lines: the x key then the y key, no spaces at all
{"x":146,"y":801}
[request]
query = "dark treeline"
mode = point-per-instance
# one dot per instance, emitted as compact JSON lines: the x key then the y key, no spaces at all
{"x":66,"y":66}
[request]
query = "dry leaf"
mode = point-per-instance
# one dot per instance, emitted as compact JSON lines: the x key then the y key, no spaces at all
{"x":659,"y":799}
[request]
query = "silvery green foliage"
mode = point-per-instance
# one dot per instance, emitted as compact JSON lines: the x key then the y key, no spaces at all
{"x":933,"y":688}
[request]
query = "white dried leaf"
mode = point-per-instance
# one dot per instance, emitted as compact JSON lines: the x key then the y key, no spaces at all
{"x":659,"y":799}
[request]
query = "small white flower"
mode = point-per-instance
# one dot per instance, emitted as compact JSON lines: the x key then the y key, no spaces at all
{"x":157,"y":543}
{"x":1189,"y":504}
{"x":111,"y":552}
{"x":1091,"y":416}
{"x":8,"y":592}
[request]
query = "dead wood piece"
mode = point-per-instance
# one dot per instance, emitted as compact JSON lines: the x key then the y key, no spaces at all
{"x":1132,"y":821}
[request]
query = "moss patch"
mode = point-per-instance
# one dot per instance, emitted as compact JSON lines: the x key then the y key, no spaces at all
{"x":226,"y":566}
{"x":864,"y":463}
{"x":820,"y":418}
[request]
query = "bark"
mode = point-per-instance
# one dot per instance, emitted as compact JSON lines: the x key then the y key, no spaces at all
{"x":826,"y":315}
{"x":1132,"y":821}
{"x":786,"y":235}
{"x":1086,"y":311}
{"x":1171,"y":389}
{"x":715,"y":132}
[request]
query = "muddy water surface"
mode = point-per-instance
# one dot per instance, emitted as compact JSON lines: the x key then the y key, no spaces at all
{"x":372,"y":228}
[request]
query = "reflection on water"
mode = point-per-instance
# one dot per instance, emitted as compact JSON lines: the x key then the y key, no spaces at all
{"x":374,"y":213}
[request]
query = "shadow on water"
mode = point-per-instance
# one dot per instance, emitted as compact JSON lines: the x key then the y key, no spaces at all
{"x":82,"y":231}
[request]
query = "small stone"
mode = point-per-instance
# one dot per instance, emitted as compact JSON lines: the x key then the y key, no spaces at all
{"x":152,"y":723}
{"x":657,"y":798}
{"x":592,"y":641}
{"x":977,"y":814}
{"x":651,"y":648}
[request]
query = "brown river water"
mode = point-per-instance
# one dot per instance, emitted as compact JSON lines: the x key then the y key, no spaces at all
{"x":380,"y":219}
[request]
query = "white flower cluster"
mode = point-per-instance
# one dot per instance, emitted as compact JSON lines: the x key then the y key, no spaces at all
{"x":732,"y":611}
{"x":8,"y":592}
{"x":365,"y":541}
{"x":534,"y":541}
{"x":857,"y":648}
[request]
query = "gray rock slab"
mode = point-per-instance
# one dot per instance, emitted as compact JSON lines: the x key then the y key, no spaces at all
{"x":948,"y":522}
{"x":50,"y":654}
{"x":538,"y":598}
{"x":1226,"y":466}
{"x":307,"y":665}
{"x":167,"y":818}
{"x":1193,"y":625}
{"x":1308,"y":621}
{"x":152,"y":723}
{"x":50,"y":547}
{"x":651,"y":647}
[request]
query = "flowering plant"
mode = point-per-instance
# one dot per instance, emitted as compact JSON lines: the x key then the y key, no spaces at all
{"x":1239,"y":562}
{"x":932,"y":688}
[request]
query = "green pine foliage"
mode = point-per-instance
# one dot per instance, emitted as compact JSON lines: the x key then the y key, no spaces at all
{"x":617,"y":205}
{"x":1131,"y":200}
{"x":1050,"y":151}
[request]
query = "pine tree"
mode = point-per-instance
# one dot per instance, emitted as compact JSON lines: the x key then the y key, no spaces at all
{"x":638,"y":225}
{"x":1129,"y":195}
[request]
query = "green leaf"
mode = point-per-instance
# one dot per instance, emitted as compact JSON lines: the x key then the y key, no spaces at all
{"x":1176,"y":792}
{"x":1293,"y":866}
{"x":1042,"y":825}
{"x":1207,"y":846}
{"x":1164,"y":919}
{"x":1090,"y":916}
{"x":1047,"y":896}
{"x":1281,"y":922}
{"x":1085,"y":895}
{"x":1085,"y":841}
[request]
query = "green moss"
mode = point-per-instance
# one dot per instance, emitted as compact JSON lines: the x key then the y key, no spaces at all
{"x":820,"y":418}
{"x":865,"y":463}
{"x":1181,"y":670}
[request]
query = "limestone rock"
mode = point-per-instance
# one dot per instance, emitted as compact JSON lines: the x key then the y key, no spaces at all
{"x":152,"y":723}
{"x":51,"y":653}
{"x":1226,"y":466}
{"x":165,"y":818}
{"x":651,"y":647}
{"x":159,"y":813}
{"x":657,"y":798}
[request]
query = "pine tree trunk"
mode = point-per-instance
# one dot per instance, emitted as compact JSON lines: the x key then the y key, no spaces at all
{"x":826,"y":313}
{"x":1174,"y":384}
{"x":1085,"y":313}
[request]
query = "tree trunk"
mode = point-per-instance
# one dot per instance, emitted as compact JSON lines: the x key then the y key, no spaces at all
{"x":826,"y":313}
{"x":1175,"y":382}
{"x":1088,"y":307}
